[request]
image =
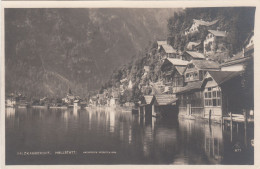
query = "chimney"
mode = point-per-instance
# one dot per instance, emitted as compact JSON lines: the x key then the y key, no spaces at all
{"x":243,"y":52}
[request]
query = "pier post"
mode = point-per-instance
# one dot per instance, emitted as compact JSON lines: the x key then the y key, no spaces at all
{"x":231,"y":127}
{"x":245,"y":125}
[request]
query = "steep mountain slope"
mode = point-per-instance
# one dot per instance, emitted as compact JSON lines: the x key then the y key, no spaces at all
{"x":49,"y":50}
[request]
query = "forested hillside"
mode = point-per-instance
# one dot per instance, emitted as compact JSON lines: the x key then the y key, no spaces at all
{"x":49,"y":50}
{"x":237,"y":22}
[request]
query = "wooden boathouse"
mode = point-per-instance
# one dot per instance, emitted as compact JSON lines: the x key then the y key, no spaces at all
{"x":164,"y":105}
{"x":223,"y":93}
{"x":146,"y":106}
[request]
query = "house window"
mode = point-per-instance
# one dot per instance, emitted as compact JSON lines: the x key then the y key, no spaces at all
{"x":212,"y":97}
{"x":195,"y":75}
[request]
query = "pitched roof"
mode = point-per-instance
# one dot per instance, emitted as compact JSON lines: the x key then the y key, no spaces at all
{"x":205,"y":23}
{"x":235,"y":60}
{"x":190,"y":44}
{"x":148,"y":99}
{"x":205,"y":64}
{"x":168,"y":48}
{"x":222,"y":76}
{"x":190,"y":86}
{"x":180,"y":69}
{"x":218,"y":33}
{"x":177,"y":62}
{"x":161,"y":43}
{"x":196,"y":54}
{"x":165,"y":99}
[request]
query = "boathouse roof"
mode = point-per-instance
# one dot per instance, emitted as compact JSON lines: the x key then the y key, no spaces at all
{"x":148,"y":99}
{"x":165,"y":99}
{"x":221,"y":77}
{"x":218,"y":33}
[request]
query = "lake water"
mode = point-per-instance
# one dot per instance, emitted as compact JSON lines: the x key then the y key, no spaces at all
{"x":41,"y":136}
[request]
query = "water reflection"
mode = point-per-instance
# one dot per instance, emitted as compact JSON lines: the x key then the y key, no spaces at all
{"x":10,"y":112}
{"x":137,"y":139}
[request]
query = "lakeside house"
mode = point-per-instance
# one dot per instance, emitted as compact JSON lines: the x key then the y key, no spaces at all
{"x":10,"y":102}
{"x":114,"y":100}
{"x":197,"y":23}
{"x":190,"y":95}
{"x":223,"y":93}
{"x":214,"y":42}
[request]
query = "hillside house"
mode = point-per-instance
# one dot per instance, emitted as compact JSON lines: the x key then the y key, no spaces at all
{"x":214,"y":42}
{"x":173,"y":74}
{"x":167,"y":51}
{"x":164,"y":105}
{"x":193,"y":55}
{"x":193,"y":46}
{"x":197,"y":23}
{"x":196,"y":69}
{"x":241,"y":59}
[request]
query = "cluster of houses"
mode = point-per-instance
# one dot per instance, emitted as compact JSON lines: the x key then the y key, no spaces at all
{"x":193,"y":85}
{"x":20,"y":101}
